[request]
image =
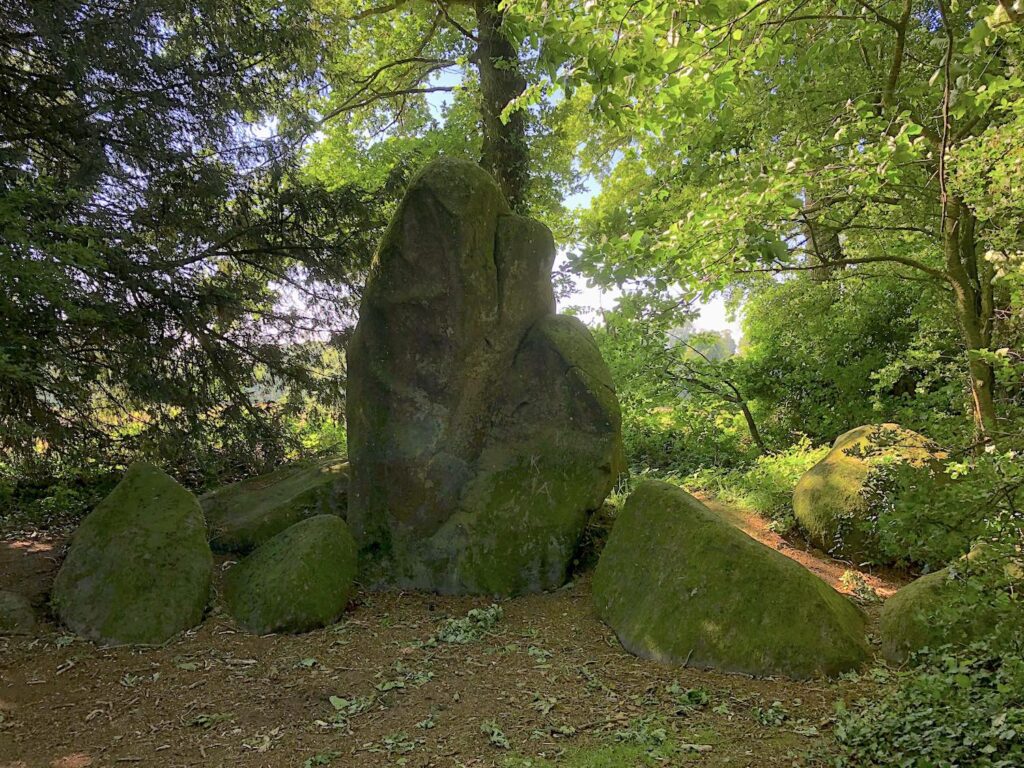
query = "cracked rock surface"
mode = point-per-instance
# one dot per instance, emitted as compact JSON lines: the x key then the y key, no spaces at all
{"x":483,"y":428}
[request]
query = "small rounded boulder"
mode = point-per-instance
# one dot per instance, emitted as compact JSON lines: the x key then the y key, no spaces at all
{"x":299,"y":580}
{"x":16,"y":614}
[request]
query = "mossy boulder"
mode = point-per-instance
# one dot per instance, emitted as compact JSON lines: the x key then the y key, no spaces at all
{"x":483,"y":428}
{"x":299,"y":580}
{"x":243,"y":515}
{"x":830,"y":502}
{"x":937,"y":609}
{"x":908,"y":622}
{"x":139,"y":566}
{"x":16,"y":614}
{"x":679,"y":584}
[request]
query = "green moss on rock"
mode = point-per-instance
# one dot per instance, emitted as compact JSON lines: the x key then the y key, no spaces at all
{"x":935,"y":610}
{"x":16,"y":614}
{"x":243,"y":515}
{"x":907,"y":622}
{"x":299,"y":580}
{"x":522,"y":522}
{"x":482,"y":427}
{"x":829,"y":501}
{"x":679,"y":584}
{"x":138,"y":569}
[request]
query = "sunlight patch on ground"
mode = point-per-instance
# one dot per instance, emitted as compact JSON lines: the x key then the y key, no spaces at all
{"x":29,"y":546}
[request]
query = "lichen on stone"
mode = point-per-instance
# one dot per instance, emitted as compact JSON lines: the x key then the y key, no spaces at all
{"x":299,"y":580}
{"x":139,"y":566}
{"x":679,"y":584}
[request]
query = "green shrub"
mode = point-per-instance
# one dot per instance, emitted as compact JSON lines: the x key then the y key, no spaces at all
{"x":982,"y":596}
{"x":920,"y":519}
{"x":765,"y":486}
{"x":961,"y":705}
{"x":50,"y":490}
{"x":958,"y":710}
{"x":682,"y":437}
{"x":318,"y":431}
{"x":931,"y":520}
{"x":57,"y":503}
{"x":989,"y":589}
{"x":824,"y":356}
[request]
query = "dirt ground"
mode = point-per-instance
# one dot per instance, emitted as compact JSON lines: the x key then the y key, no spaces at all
{"x":546,"y":682}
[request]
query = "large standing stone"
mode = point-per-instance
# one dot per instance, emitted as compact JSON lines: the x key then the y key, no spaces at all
{"x":245,"y":514}
{"x":679,"y":584}
{"x":139,"y":566}
{"x":482,"y":427}
{"x":829,"y":500}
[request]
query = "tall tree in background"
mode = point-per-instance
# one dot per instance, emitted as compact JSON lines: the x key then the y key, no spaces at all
{"x":777,"y":135}
{"x":388,"y":58}
{"x":157,"y":253}
{"x":505,"y":153}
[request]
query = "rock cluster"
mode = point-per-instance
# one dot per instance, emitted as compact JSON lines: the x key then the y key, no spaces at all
{"x":483,"y":429}
{"x":139,"y":567}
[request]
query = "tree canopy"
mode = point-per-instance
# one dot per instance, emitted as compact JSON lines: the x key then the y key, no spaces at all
{"x":155,"y":214}
{"x":771,"y":137}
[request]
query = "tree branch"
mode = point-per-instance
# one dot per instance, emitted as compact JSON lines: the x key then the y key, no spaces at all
{"x":448,"y":17}
{"x":877,"y":13}
{"x":378,"y":10}
{"x":936,"y":273}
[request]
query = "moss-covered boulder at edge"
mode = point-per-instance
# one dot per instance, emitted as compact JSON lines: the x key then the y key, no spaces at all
{"x":482,"y":427}
{"x":937,"y":609}
{"x":299,"y":580}
{"x":243,"y":515}
{"x":139,"y":566}
{"x":907,"y":621}
{"x":679,"y":584}
{"x":16,"y":614}
{"x":829,"y":501}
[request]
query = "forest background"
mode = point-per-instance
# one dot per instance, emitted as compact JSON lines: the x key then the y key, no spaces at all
{"x":191,"y":192}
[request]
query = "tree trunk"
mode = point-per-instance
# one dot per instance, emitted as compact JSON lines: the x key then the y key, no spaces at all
{"x":755,"y":433}
{"x":504,"y":153}
{"x":823,"y":243}
{"x":971,"y":278}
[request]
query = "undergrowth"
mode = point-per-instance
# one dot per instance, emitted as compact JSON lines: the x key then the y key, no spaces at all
{"x":957,"y":709}
{"x":764,"y":487}
{"x":474,"y":626}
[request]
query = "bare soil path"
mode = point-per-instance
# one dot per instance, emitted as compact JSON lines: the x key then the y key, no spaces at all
{"x":883,"y":582}
{"x":549,"y":680}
